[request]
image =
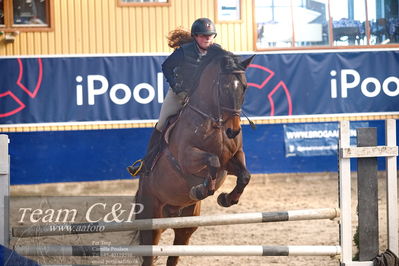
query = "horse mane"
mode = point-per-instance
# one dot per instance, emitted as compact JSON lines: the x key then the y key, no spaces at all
{"x":228,"y":61}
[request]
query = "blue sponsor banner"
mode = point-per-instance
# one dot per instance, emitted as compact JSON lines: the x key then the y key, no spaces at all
{"x":119,"y":88}
{"x":323,"y":83}
{"x":73,"y":89}
{"x":315,"y":139}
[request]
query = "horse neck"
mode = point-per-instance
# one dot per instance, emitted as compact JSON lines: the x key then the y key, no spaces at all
{"x":205,"y":95}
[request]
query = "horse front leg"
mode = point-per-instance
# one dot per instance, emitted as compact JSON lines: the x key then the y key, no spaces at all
{"x":195,"y":161}
{"x":235,"y":166}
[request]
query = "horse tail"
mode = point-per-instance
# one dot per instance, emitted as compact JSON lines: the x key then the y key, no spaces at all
{"x":178,"y":37}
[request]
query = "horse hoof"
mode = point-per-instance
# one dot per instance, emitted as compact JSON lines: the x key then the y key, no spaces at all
{"x":196,"y":194}
{"x":222,"y":200}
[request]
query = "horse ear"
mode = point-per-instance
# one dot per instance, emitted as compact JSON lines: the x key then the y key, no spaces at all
{"x":244,"y":64}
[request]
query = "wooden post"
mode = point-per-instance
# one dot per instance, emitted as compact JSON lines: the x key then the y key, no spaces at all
{"x":367,"y":184}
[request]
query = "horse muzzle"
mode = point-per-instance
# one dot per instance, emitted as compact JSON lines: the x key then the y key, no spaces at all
{"x":234,"y":127}
{"x":231,"y":134}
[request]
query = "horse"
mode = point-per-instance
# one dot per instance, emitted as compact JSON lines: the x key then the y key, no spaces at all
{"x":203,"y":146}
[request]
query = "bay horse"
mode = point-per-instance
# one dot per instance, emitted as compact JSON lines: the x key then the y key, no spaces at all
{"x":204,"y":146}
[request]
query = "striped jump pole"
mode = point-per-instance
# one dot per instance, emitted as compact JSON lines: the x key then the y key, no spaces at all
{"x":179,"y":250}
{"x":177,"y":222}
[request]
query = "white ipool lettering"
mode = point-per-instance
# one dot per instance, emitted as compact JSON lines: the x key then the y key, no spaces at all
{"x":345,"y":85}
{"x":79,"y":91}
{"x":119,"y":93}
{"x":370,"y":86}
{"x":92,"y":91}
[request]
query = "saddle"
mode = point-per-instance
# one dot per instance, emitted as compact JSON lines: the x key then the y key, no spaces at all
{"x":166,"y":133}
{"x":170,"y":125}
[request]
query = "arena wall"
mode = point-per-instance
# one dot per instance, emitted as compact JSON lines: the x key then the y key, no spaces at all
{"x":104,"y":27}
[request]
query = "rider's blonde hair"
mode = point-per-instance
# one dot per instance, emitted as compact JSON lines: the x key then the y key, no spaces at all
{"x":178,"y":37}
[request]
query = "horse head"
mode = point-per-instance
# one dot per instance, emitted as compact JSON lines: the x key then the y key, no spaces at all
{"x":220,"y":90}
{"x":231,"y":89}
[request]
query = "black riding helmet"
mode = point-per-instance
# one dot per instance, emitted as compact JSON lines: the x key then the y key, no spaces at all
{"x":203,"y":26}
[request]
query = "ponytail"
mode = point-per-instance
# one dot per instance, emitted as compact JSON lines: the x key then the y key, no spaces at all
{"x":178,"y":37}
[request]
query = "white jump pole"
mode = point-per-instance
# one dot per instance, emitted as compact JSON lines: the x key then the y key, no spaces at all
{"x":391,"y":188}
{"x":4,"y":190}
{"x":345,"y":197}
{"x":179,"y":250}
{"x":176,"y":222}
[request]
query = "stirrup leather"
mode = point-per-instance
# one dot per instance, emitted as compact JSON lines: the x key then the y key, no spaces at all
{"x":140,"y":161}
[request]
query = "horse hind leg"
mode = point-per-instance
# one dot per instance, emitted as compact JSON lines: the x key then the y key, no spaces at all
{"x":182,"y":235}
{"x":152,"y":208}
{"x":149,"y":238}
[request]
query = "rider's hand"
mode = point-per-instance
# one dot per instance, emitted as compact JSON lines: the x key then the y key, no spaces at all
{"x":182,"y":95}
{"x":178,"y":87}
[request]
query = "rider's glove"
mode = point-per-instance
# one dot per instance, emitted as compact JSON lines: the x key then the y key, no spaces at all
{"x":178,"y":87}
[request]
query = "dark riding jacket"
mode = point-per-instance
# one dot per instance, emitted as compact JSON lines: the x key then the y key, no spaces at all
{"x":181,"y":66}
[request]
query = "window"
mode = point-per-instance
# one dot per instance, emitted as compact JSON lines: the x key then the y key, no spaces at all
{"x":1,"y":13}
{"x":349,"y":22}
{"x":383,"y":17}
{"x":325,"y":23}
{"x":26,"y":15}
{"x":143,"y":2}
{"x":310,"y":23}
{"x":228,"y":11}
{"x":274,"y":24}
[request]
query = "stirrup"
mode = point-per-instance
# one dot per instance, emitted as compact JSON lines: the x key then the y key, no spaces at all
{"x":134,"y":165}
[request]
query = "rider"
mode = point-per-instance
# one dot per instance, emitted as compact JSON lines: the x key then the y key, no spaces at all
{"x":178,"y":70}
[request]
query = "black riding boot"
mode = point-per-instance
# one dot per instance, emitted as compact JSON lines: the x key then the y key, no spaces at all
{"x":152,"y":151}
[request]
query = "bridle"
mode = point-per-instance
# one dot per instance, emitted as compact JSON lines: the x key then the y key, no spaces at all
{"x":231,"y":111}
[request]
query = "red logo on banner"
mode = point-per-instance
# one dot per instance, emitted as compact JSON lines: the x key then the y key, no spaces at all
{"x":31,"y":91}
{"x":281,"y":86}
